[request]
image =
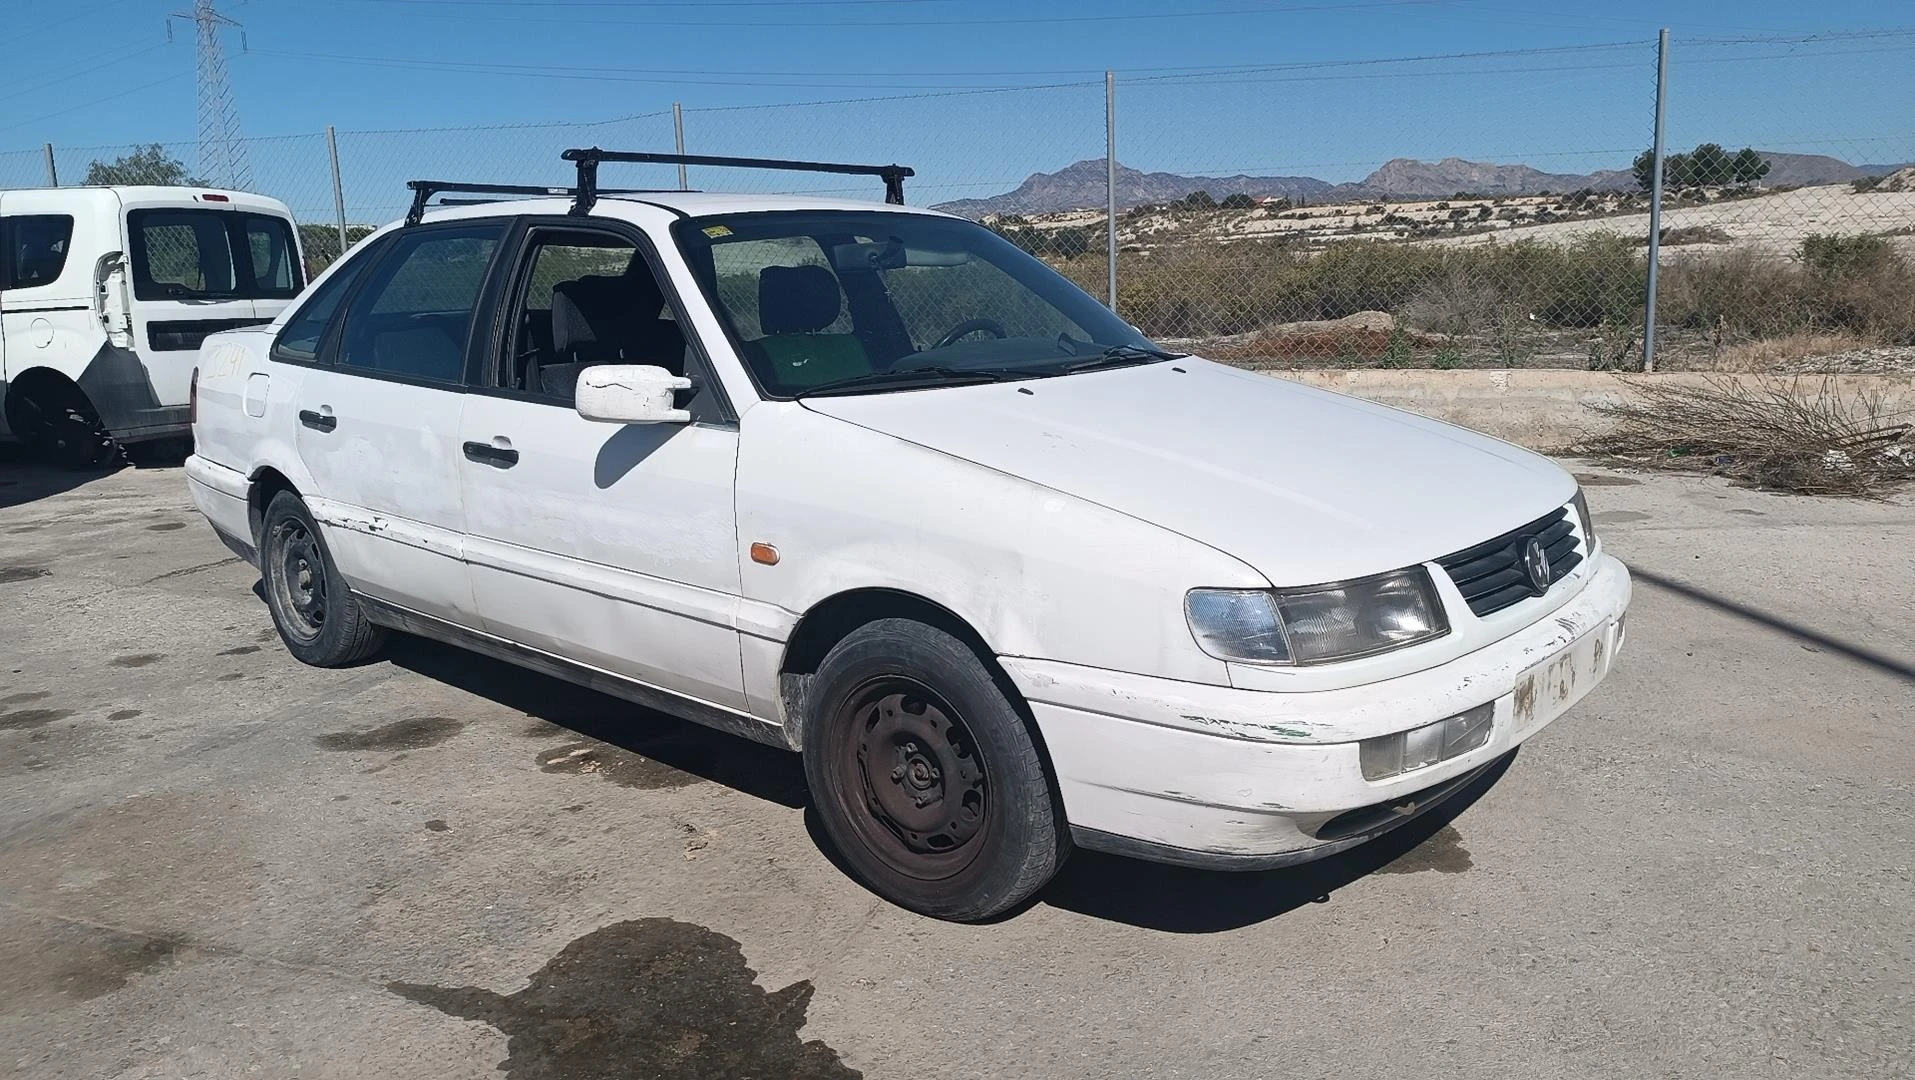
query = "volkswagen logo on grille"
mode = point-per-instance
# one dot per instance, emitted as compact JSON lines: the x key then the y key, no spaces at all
{"x":1536,"y":565}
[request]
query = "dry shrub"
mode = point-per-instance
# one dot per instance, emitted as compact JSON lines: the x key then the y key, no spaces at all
{"x":1742,"y":291}
{"x":1767,"y":354}
{"x":1772,"y":433}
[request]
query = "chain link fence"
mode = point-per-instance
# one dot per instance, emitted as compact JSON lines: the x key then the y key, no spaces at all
{"x":1336,"y":213}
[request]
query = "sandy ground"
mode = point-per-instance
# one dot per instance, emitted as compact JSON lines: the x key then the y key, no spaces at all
{"x":215,"y":862}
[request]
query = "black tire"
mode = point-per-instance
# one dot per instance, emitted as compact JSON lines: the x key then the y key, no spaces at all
{"x":62,"y":431}
{"x":313,"y":610}
{"x":925,"y":777}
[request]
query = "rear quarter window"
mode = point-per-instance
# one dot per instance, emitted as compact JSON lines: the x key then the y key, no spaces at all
{"x":34,"y":249}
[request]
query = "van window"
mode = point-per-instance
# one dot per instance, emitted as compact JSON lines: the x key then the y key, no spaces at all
{"x":33,"y":249}
{"x":191,"y":254}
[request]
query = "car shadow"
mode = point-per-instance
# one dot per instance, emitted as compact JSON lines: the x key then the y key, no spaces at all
{"x":24,"y":480}
{"x":764,"y":772}
{"x":1181,"y":900}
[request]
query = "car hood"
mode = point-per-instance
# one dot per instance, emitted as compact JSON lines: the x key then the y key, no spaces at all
{"x":1304,"y":485}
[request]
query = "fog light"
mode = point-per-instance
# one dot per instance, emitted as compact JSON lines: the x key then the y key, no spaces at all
{"x":1419,"y":748}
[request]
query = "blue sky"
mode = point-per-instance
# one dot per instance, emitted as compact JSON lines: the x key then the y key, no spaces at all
{"x":1298,"y":91}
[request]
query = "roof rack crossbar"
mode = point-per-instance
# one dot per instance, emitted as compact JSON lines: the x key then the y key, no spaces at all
{"x":423,"y":190}
{"x":588,"y":159}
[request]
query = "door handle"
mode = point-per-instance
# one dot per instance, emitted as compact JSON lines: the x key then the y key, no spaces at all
{"x":503,"y":457}
{"x":318,"y":421}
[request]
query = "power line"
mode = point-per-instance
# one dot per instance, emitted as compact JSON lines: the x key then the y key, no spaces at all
{"x":97,"y":101}
{"x":861,"y":24}
{"x":113,"y":62}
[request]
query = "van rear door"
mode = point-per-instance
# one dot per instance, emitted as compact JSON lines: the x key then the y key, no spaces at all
{"x":198,"y":268}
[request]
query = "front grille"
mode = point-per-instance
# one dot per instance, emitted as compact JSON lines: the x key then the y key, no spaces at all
{"x":1491,"y":576}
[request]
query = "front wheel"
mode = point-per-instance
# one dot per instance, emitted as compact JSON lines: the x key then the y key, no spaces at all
{"x":925,"y":777}
{"x":315,"y":613}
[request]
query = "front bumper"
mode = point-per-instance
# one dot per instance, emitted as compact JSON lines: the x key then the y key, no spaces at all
{"x":1218,"y":776}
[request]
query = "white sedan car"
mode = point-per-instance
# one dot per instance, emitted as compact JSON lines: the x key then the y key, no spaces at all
{"x":871,"y":484}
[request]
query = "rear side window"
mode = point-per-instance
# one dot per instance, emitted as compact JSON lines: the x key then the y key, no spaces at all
{"x":413,"y":317}
{"x":191,"y":254}
{"x":307,"y":328}
{"x":33,"y":249}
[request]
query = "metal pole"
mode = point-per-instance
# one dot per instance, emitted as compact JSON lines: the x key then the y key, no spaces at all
{"x":338,"y":187}
{"x":1655,"y":205}
{"x":1110,"y":187}
{"x":53,"y":171}
{"x":678,"y":133}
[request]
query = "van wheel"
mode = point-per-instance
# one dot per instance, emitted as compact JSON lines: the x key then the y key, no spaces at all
{"x":313,"y":610}
{"x":924,"y":776}
{"x":62,"y":431}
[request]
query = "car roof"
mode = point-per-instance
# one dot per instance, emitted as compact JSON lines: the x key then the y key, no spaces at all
{"x":685,"y":203}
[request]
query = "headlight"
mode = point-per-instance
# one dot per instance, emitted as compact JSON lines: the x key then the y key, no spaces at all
{"x":1319,"y":624}
{"x":1582,"y":518}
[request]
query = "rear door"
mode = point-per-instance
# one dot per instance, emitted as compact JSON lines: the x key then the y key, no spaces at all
{"x":379,"y":413}
{"x":197,"y":269}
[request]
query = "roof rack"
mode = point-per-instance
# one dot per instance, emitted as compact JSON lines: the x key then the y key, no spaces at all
{"x":423,"y":190}
{"x":588,"y":159}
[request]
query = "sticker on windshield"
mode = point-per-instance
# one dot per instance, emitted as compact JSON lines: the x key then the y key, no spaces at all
{"x":716,"y":231}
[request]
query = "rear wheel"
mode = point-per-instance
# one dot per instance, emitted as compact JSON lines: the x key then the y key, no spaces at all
{"x":925,"y":777}
{"x":315,"y":613}
{"x":58,"y":423}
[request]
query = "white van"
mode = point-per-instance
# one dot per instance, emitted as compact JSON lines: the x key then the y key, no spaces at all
{"x":105,"y":296}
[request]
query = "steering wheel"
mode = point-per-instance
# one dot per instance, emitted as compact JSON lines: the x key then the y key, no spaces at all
{"x":970,"y":326}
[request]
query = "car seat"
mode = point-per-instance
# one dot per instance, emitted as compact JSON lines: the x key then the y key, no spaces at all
{"x":601,"y":319}
{"x":796,"y":303}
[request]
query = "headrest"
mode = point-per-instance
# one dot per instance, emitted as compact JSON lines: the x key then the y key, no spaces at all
{"x":602,"y":310}
{"x":797,"y":299}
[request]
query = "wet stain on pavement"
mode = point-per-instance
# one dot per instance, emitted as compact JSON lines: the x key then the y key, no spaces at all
{"x":72,"y":962}
{"x":1750,"y":513}
{"x":11,"y":574}
{"x":649,"y":997}
{"x":436,"y":825}
{"x":621,"y":767}
{"x":1443,"y":853}
{"x":416,"y":733}
{"x":137,"y":659}
{"x":123,"y":714}
{"x":26,"y":696}
{"x":166,"y":526}
{"x":1617,"y":517}
{"x":543,"y":729}
{"x":243,"y":650}
{"x":1588,"y":479}
{"x":231,"y":676}
{"x":23,"y":719}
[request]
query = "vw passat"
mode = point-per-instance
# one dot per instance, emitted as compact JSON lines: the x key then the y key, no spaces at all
{"x":873,"y":485}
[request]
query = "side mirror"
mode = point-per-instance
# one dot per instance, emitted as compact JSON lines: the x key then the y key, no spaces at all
{"x":631,"y":394}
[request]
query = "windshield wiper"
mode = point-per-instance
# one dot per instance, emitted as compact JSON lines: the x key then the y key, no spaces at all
{"x":907,"y":379}
{"x":1120,"y":356}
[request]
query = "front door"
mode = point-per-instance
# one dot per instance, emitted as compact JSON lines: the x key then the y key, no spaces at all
{"x":612,"y":545}
{"x":379,"y":415}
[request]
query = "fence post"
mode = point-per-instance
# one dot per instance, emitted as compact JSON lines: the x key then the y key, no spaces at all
{"x":53,"y":171}
{"x":338,"y":186}
{"x":1655,"y":205}
{"x":678,"y":134}
{"x":1110,"y":187}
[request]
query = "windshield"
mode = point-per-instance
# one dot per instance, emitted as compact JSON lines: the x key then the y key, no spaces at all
{"x":825,"y":302}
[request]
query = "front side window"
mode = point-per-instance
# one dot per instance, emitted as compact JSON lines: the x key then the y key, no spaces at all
{"x":587,"y":298}
{"x":827,"y":302}
{"x":33,"y":249}
{"x":193,"y":254}
{"x":413,"y":317}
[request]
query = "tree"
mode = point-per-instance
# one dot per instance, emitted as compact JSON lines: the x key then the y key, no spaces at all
{"x":1748,"y":167}
{"x":1238,"y":201}
{"x":1710,"y":165}
{"x":321,"y":244}
{"x":1197,"y":200}
{"x":147,"y":164}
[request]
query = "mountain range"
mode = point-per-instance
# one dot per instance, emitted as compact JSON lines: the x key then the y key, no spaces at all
{"x":1080,"y":186}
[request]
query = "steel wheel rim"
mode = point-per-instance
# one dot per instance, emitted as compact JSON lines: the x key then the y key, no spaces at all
{"x":299,"y":585}
{"x":911,"y":779}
